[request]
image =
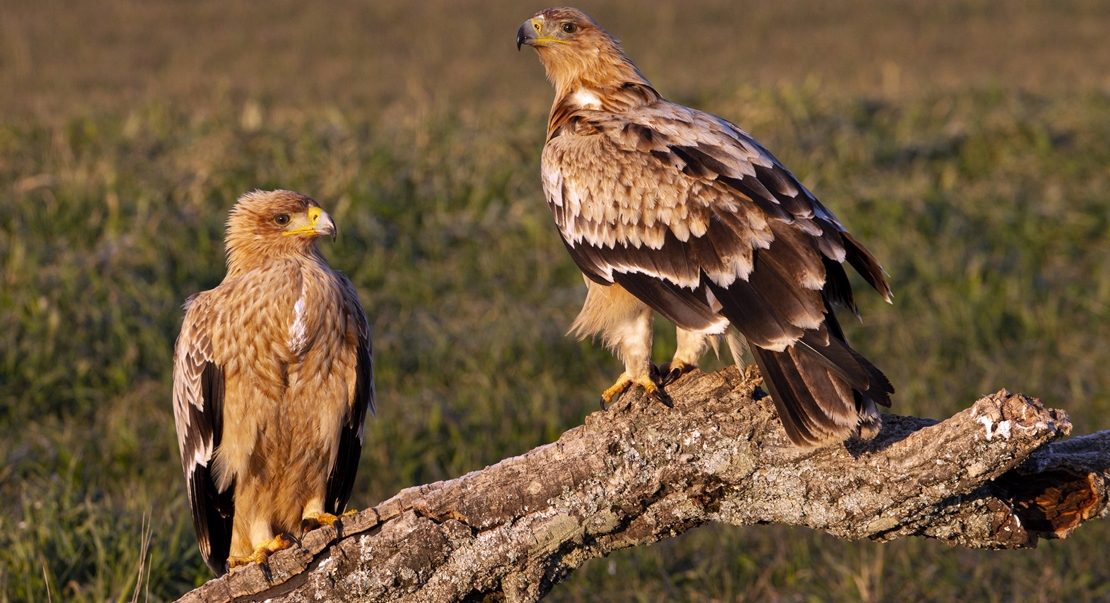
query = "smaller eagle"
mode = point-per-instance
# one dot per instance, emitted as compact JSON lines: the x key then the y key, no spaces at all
{"x":272,"y":379}
{"x":669,"y":209}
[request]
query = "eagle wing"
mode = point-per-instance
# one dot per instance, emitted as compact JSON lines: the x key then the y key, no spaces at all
{"x":694,"y":217}
{"x":198,"y":399}
{"x":342,"y":476}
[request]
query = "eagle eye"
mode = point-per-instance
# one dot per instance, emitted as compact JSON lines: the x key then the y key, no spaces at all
{"x":570,"y":28}
{"x":281,"y":219}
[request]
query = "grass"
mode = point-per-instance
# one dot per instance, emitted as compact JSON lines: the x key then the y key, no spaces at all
{"x":985,"y":200}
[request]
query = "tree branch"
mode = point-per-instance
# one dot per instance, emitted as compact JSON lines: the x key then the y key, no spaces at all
{"x":988,"y":477}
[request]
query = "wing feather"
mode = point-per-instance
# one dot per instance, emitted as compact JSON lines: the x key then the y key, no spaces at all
{"x":694,"y":217}
{"x":341,"y":479}
{"x":198,"y":397}
{"x":678,"y":304}
{"x":866,"y":264}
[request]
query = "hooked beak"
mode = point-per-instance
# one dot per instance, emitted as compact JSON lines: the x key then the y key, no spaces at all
{"x":527,"y":33}
{"x":323,"y":225}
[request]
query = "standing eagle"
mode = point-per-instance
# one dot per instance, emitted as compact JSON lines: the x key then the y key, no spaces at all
{"x":671,"y":209}
{"x":272,"y":379}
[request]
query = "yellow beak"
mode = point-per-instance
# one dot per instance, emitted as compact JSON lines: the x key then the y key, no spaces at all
{"x":313,"y":223}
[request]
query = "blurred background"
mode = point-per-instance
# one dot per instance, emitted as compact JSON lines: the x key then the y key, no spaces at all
{"x":965,"y":142}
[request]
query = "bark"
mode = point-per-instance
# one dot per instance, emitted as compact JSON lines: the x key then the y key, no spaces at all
{"x":988,"y":477}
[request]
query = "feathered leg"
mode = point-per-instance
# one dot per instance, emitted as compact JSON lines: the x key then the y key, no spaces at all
{"x":691,"y":346}
{"x":252,"y":538}
{"x":624,"y":324}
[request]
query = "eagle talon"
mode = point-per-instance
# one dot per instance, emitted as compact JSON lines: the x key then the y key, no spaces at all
{"x":607,"y":404}
{"x":268,"y":573}
{"x":292,"y":538}
{"x":661,"y":395}
{"x":653,"y":384}
{"x":614,"y":392}
{"x":262,"y":552}
{"x":314,"y":521}
{"x":667,"y":375}
{"x":671,"y":371}
{"x":649,"y":382}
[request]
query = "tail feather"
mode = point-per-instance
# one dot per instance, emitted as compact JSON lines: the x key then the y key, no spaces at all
{"x":823,"y":389}
{"x":829,"y":347}
{"x":793,"y":418}
{"x":815,"y":405}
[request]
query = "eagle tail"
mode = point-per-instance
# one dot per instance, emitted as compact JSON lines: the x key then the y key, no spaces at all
{"x":824,"y":390}
{"x":816,"y":405}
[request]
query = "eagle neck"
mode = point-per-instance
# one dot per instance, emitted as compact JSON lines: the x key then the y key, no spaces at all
{"x":240,"y":262}
{"x":609,"y":99}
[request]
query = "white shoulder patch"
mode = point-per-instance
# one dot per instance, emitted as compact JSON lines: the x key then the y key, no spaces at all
{"x":297,"y":334}
{"x":584,"y":99}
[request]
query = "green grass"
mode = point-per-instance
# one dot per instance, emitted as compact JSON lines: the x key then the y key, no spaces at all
{"x":988,"y":204}
{"x":987,"y":209}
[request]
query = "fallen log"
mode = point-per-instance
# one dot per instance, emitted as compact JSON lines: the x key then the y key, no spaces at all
{"x":990,"y":476}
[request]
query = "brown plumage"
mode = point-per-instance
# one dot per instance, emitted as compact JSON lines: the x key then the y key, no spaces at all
{"x":671,"y":209}
{"x":273,"y":376}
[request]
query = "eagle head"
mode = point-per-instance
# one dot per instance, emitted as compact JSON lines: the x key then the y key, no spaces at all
{"x":577,"y":53}
{"x":274,"y":225}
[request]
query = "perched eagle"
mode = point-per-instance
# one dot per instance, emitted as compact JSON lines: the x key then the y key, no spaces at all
{"x":671,"y":209}
{"x":272,"y":379}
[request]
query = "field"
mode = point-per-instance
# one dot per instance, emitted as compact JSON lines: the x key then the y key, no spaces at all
{"x":966,"y":142}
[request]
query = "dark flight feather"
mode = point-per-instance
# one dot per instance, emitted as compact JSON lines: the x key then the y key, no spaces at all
{"x":341,"y":480}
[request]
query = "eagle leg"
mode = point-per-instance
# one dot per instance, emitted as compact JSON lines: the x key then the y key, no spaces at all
{"x":650,"y":382}
{"x":691,"y":346}
{"x":263,"y":551}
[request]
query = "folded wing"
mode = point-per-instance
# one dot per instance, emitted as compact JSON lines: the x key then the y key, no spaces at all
{"x":695,"y":218}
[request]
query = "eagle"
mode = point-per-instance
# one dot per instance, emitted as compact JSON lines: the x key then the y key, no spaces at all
{"x":669,"y":209}
{"x":272,"y":379}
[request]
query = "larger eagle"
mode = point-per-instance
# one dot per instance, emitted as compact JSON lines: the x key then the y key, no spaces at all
{"x":272,"y":379}
{"x":671,"y":209}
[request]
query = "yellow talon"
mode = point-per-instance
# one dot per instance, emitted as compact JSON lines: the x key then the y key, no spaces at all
{"x":647,"y":382}
{"x":313,"y":521}
{"x":616,"y":390}
{"x":648,"y":385}
{"x":262,"y":552}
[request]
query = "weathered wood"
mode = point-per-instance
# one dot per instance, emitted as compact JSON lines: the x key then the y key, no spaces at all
{"x":988,"y":477}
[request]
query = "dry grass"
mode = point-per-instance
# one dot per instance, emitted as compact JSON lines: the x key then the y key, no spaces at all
{"x":57,"y":57}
